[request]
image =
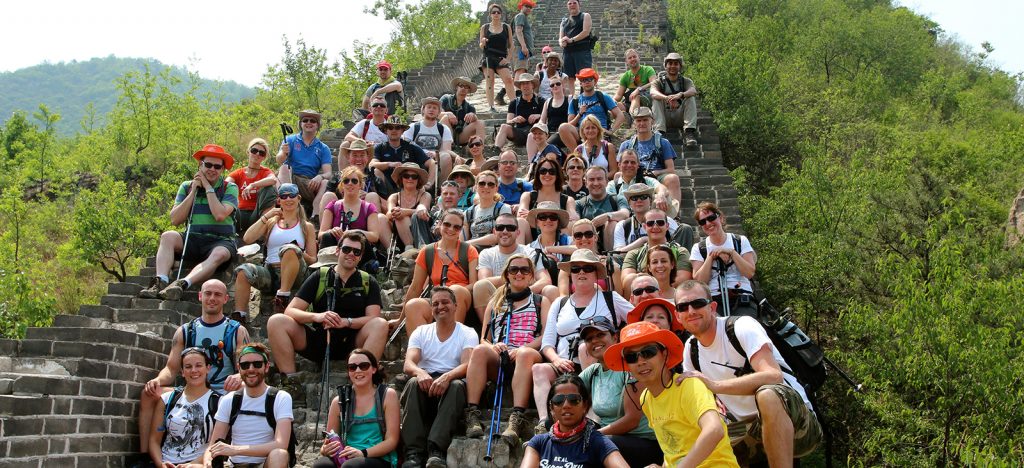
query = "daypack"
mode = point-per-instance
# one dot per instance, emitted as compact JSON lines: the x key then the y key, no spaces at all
{"x":431,"y":251}
{"x":416,"y":132}
{"x":609,"y":302}
{"x":211,"y":408}
{"x":268,"y":413}
{"x":600,"y":100}
{"x":537,"y":298}
{"x":225,"y":349}
{"x":322,"y":286}
{"x":347,"y":408}
{"x":803,"y":358}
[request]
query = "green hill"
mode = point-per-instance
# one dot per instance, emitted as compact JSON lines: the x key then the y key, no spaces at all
{"x":68,"y":87}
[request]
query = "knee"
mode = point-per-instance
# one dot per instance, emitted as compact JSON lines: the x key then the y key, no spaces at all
{"x":278,"y":324}
{"x":219,"y":255}
{"x":565,"y":127}
{"x":376,"y":325}
{"x":768,"y":402}
{"x":672,"y":179}
{"x":240,"y":278}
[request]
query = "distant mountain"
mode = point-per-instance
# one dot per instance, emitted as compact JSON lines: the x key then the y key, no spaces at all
{"x":67,"y":87}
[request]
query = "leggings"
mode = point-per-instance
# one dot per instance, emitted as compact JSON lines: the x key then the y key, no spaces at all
{"x":324,"y":462}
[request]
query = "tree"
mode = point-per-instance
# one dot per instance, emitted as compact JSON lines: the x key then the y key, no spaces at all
{"x":49,"y":121}
{"x":110,"y":229}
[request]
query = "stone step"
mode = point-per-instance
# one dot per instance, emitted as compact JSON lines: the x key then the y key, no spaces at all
{"x":91,"y":335}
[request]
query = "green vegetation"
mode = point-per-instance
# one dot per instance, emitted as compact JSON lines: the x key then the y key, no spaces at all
{"x":878,"y":160}
{"x":77,"y":211}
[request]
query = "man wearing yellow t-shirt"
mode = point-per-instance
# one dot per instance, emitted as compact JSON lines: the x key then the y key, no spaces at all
{"x":684,"y":416}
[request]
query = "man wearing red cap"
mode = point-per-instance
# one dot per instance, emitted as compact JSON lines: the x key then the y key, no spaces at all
{"x":205,"y":203}
{"x":523,"y":39}
{"x":590,"y":101}
{"x":683,"y":415}
{"x":386,"y":86}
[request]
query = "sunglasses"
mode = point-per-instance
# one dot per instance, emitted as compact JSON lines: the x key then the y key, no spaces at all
{"x":547,"y":171}
{"x":351,"y":250}
{"x":556,"y":84}
{"x":411,"y":176}
{"x":383,"y":69}
{"x":286,"y":196}
{"x":506,"y":163}
{"x":569,"y":168}
{"x":582,"y":234}
{"x":485,"y":183}
{"x":475,"y":144}
{"x":378,"y":104}
{"x":350,"y":181}
{"x":518,"y":270}
{"x":647,"y":352}
{"x":574,"y":399}
{"x":586,"y":80}
{"x":547,"y":217}
{"x":655,"y":222}
{"x":698,"y":303}
{"x":210,"y":165}
{"x":245,"y":365}
{"x":448,"y":225}
{"x":708,"y":219}
{"x":648,"y":290}
{"x":506,"y":227}
{"x":495,"y":12}
{"x":584,"y":268}
{"x":310,"y":121}
{"x":639,"y":197}
{"x":361,"y":366}
{"x":255,"y":150}
{"x":450,"y":183}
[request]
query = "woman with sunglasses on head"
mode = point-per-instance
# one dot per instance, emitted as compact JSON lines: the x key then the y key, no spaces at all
{"x":496,"y":41}
{"x":720,"y":252}
{"x":594,"y":148}
{"x":364,"y":443}
{"x":560,"y":344}
{"x":411,"y":204}
{"x":573,"y":439}
{"x":257,"y":185}
{"x":475,"y":154}
{"x":547,"y":187}
{"x":575,"y":167}
{"x":513,"y":323}
{"x":452,"y":263}
{"x":481,"y":216}
{"x":179,"y":438}
{"x":290,"y":242}
{"x":351,"y":213}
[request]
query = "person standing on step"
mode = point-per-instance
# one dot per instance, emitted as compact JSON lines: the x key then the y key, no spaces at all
{"x":346,"y":303}
{"x":590,"y":101}
{"x":212,"y":332}
{"x":369,"y":129}
{"x":721,"y":250}
{"x":575,"y":37}
{"x":433,"y":136}
{"x":522,"y":37}
{"x":306,"y":161}
{"x":656,"y":154}
{"x":634,"y":85}
{"x":386,"y":86}
{"x":523,"y":112}
{"x":256,"y":421}
{"x":459,"y":115}
{"x":675,"y":101}
{"x":496,"y":41}
{"x":434,"y":398}
{"x":257,"y":186}
{"x":204,"y":204}
{"x":180,"y":436}
{"x":391,"y":154}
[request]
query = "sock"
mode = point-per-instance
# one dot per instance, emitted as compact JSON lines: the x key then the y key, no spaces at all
{"x":163,"y":278}
{"x":188,"y":284}
{"x":516,"y":409}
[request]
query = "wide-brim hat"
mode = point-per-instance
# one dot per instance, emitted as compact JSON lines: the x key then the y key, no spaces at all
{"x":584,"y":257}
{"x":462,"y":169}
{"x":638,"y":189}
{"x":358,"y":144}
{"x":555,"y":55}
{"x":491,"y":164}
{"x":327,"y":256}
{"x":672,"y":56}
{"x":637,"y":313}
{"x":588,"y":73}
{"x":461,"y":80}
{"x":540,"y":126}
{"x":396,"y":175}
{"x":394,"y":121}
{"x":215,"y":151}
{"x":548,"y":207}
{"x":429,"y":100}
{"x":642,"y":333}
{"x":643,"y":111}
{"x":310,"y":113}
{"x":526,"y":77}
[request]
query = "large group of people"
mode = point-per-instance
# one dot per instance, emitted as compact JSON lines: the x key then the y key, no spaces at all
{"x":565,"y":265}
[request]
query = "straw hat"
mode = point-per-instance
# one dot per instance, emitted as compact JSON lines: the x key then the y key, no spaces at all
{"x":583,"y":257}
{"x":527,"y":77}
{"x":491,"y":164}
{"x":463,"y":169}
{"x":326,"y":256}
{"x":461,"y":80}
{"x":396,"y":175}
{"x":548,"y":207}
{"x":638,"y":189}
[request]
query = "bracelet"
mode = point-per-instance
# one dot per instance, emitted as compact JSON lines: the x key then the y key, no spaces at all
{"x":364,"y":453}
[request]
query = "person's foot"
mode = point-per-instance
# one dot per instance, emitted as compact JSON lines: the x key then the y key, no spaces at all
{"x":174,"y":291}
{"x":295,"y":388}
{"x":517,"y":426}
{"x":437,"y":460}
{"x":153,"y":291}
{"x":241,"y":317}
{"x":500,"y":98}
{"x":540,"y":428}
{"x":412,"y":460}
{"x":473,"y":427}
{"x":493,"y":110}
{"x":280,"y":303}
{"x":691,"y":137}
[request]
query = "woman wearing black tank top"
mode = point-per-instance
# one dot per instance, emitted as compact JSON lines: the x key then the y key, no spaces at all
{"x":556,"y":111}
{"x":496,"y":41}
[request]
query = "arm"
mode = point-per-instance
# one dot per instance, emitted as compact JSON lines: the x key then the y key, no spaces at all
{"x":615,"y":460}
{"x":392,"y":421}
{"x":155,"y":435}
{"x":333,"y":423}
{"x":631,"y":414}
{"x":234,"y":381}
{"x":619,"y":93}
{"x":259,"y":229}
{"x":326,"y":220}
{"x":173,"y":367}
{"x":284,"y":151}
{"x":531,"y":459}
{"x":419,"y":280}
{"x":540,"y":281}
{"x":613,"y":163}
{"x":220,"y":431}
{"x":180,"y":211}
{"x":766,"y":371}
{"x":309,"y":253}
{"x":620,"y":118}
{"x":670,"y":168}
{"x":711,"y":433}
{"x":544,"y":112}
{"x":411,"y":365}
{"x":522,"y":41}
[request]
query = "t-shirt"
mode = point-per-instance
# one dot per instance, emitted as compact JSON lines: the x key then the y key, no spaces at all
{"x":665,"y":86}
{"x":349,"y":298}
{"x":720,"y":361}
{"x":448,"y":105}
{"x":209,"y":336}
{"x":606,"y":387}
{"x":242,"y":181}
{"x":493,"y":259}
{"x":202,"y":220}
{"x":638,"y":259}
{"x":188,"y":428}
{"x":522,"y":21}
{"x":359,"y":220}
{"x":630,"y":80}
{"x":630,"y":230}
{"x":733,"y":277}
{"x":549,"y":149}
{"x":374,"y":134}
{"x":594,"y":107}
{"x":455,"y":273}
{"x":392,"y":98}
{"x":589,"y":208}
{"x":406,"y":152}
{"x":675,"y":414}
{"x":645,"y":151}
{"x":251,"y":429}
{"x":557,"y":455}
{"x":483,"y":219}
{"x":442,"y":356}
{"x":523,"y":108}
{"x":430,"y":137}
{"x":617,"y":185}
{"x":304,"y":159}
{"x":564,"y":323}
{"x":514,"y":191}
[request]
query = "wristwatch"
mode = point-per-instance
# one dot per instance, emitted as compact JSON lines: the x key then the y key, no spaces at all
{"x":209,"y":190}
{"x":349,"y":321}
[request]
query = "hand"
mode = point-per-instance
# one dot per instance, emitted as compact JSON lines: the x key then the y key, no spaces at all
{"x":351,"y":452}
{"x":423,"y":214}
{"x":232,"y":383}
{"x":273,"y":213}
{"x":563,"y":41}
{"x":600,"y":220}
{"x":525,"y":52}
{"x":169,"y":465}
{"x":470,"y":118}
{"x":197,"y":182}
{"x":394,"y":164}
{"x":337,"y":232}
{"x":513,"y":353}
{"x":661,"y":203}
{"x":710,"y":384}
{"x":330,"y":447}
{"x":500,"y":347}
{"x":519,"y":119}
{"x":330,"y":319}
{"x":424,"y":382}
{"x":153,"y":388}
{"x":314,"y":183}
{"x":220,"y":448}
{"x":564,"y":365}
{"x":523,"y":212}
{"x":440,"y":385}
{"x":503,"y":61}
{"x":534,"y":118}
{"x":285,"y":148}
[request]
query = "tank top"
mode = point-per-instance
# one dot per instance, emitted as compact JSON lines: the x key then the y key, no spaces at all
{"x":598,"y":159}
{"x":280,"y":237}
{"x":525,"y":324}
{"x":365,"y":433}
{"x":557,"y":115}
{"x":210,"y":337}
{"x":497,"y":44}
{"x":572,"y":26}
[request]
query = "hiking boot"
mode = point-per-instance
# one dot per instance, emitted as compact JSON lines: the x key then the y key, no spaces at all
{"x":174,"y":291}
{"x":437,"y":460}
{"x":153,"y":291}
{"x":500,"y":98}
{"x":281,"y":303}
{"x":474,"y":429}
{"x":412,"y":460}
{"x":540,"y":428}
{"x":691,"y":137}
{"x":295,"y":388}
{"x":517,"y":426}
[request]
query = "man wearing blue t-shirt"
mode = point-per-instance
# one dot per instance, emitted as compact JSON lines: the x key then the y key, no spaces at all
{"x":655,"y":153}
{"x":590,"y":101}
{"x":306,"y":161}
{"x":509,"y":186}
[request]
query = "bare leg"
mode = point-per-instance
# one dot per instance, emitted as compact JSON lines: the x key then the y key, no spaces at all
{"x":506,"y":79}
{"x":569,"y":135}
{"x":289,"y":270}
{"x":543,"y":375}
{"x":489,"y":77}
{"x":373,"y":336}
{"x":465,"y":301}
{"x":776,"y":430}
{"x":205,"y":270}
{"x":504,"y":134}
{"x":522,"y":379}
{"x":483,"y":366}
{"x":242,"y":291}
{"x":170,"y":243}
{"x":404,"y":229}
{"x":285,"y":336}
{"x":417,"y":312}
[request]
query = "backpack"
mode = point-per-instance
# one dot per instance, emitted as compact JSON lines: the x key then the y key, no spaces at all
{"x":600,"y":100}
{"x":431,"y":251}
{"x":737,"y":242}
{"x":609,"y":302}
{"x":322,"y":287}
{"x":347,"y":407}
{"x":537,"y":298}
{"x":416,"y":131}
{"x":211,"y":408}
{"x":268,"y":413}
{"x":803,"y":358}
{"x":226,"y":343}
{"x":633,"y":142}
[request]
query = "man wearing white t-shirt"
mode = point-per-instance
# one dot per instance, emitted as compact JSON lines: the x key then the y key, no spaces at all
{"x":492,"y":261}
{"x":433,"y":136}
{"x":767,"y":410}
{"x":369,"y":128}
{"x":248,"y":437}
{"x":435,"y":396}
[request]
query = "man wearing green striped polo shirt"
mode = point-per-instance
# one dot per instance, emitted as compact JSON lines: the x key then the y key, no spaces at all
{"x":204,"y":204}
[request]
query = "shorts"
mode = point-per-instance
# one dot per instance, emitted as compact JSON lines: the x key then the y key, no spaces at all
{"x":343,"y":341}
{"x":267,"y":278}
{"x":200,"y":246}
{"x":745,"y":436}
{"x":493,"y":62}
{"x":521,"y":62}
{"x":645,"y":97}
{"x":576,"y":61}
{"x":305,"y":192}
{"x":520,"y":134}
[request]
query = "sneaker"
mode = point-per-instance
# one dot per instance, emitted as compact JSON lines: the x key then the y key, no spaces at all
{"x":500,"y":98}
{"x":281,"y":303}
{"x":153,"y":291}
{"x":437,"y":460}
{"x":691,"y":138}
{"x":517,"y":426}
{"x":412,"y":460}
{"x":474,"y":429}
{"x":540,"y":428}
{"x":174,"y":291}
{"x":295,"y":388}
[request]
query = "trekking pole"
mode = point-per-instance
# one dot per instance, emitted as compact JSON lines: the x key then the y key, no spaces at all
{"x":858,"y":388}
{"x":285,"y":131}
{"x":188,"y":230}
{"x":723,"y":287}
{"x":499,"y":392}
{"x":325,"y":368}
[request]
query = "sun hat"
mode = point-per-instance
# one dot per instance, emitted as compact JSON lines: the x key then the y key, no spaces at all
{"x":642,"y":333}
{"x":638,"y":312}
{"x":396,"y":175}
{"x":638,"y":189}
{"x":587,"y":73}
{"x":490,"y":164}
{"x":555,"y":55}
{"x":461,"y":80}
{"x":643,"y":111}
{"x":215,"y":151}
{"x":327,"y":256}
{"x":358,"y":145}
{"x":429,"y":100}
{"x":310,"y":113}
{"x":394,"y":121}
{"x":583,"y":256}
{"x":462,"y":169}
{"x":672,"y":56}
{"x":526,"y":77}
{"x":548,"y":207}
{"x":540,"y":126}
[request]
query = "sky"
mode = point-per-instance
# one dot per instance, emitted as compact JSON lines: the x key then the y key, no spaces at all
{"x":234,"y":40}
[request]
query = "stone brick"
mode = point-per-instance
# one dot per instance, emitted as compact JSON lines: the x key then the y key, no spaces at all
{"x":18,"y":405}
{"x":62,"y":406}
{"x":46,"y":385}
{"x":116,"y":301}
{"x":86,"y":406}
{"x":95,"y":388}
{"x":27,"y":426}
{"x":93,"y":425}
{"x":91,"y":369}
{"x":96,"y":311}
{"x":25,"y":463}
{"x":121,"y":373}
{"x":118,"y":408}
{"x":85,"y":444}
{"x":28,"y":447}
{"x":60,"y":426}
{"x":113,"y":444}
{"x":36,"y":347}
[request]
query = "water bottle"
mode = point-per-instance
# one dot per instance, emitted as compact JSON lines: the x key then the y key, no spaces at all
{"x":336,"y":457}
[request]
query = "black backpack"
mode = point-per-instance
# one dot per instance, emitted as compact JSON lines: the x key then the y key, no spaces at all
{"x":347,"y":407}
{"x":211,"y":409}
{"x":600,"y":100}
{"x":268,"y":412}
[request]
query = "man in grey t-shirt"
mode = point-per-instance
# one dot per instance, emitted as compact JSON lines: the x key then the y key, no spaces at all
{"x":492,"y":261}
{"x":522,"y":37}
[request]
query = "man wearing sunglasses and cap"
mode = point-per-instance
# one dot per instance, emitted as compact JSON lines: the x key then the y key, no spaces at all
{"x":683,"y":414}
{"x":371,"y":128}
{"x":306,"y":161}
{"x":386,"y":86}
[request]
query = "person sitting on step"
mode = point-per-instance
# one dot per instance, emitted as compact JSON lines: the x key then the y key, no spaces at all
{"x":634,"y":85}
{"x":675,"y":100}
{"x":393,"y":153}
{"x":181,"y":435}
{"x":654,"y":152}
{"x":369,"y":129}
{"x":548,"y":182}
{"x":550,"y":72}
{"x":594,"y":148}
{"x":433,"y":136}
{"x":590,"y":101}
{"x":459,"y":115}
{"x":358,"y":155}
{"x":481,"y":217}
{"x":538,"y":148}
{"x":631,"y":234}
{"x":257,"y":186}
{"x":350,"y":213}
{"x":475,"y":154}
{"x":511,"y":187}
{"x":466,"y":180}
{"x":386,"y":86}
{"x":523,"y":112}
{"x":492,"y":262}
{"x":306,"y":161}
{"x":602,"y":208}
{"x":724,"y":254}
{"x":409,"y":209}
{"x":575,"y":185}
{"x":639,"y":258}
